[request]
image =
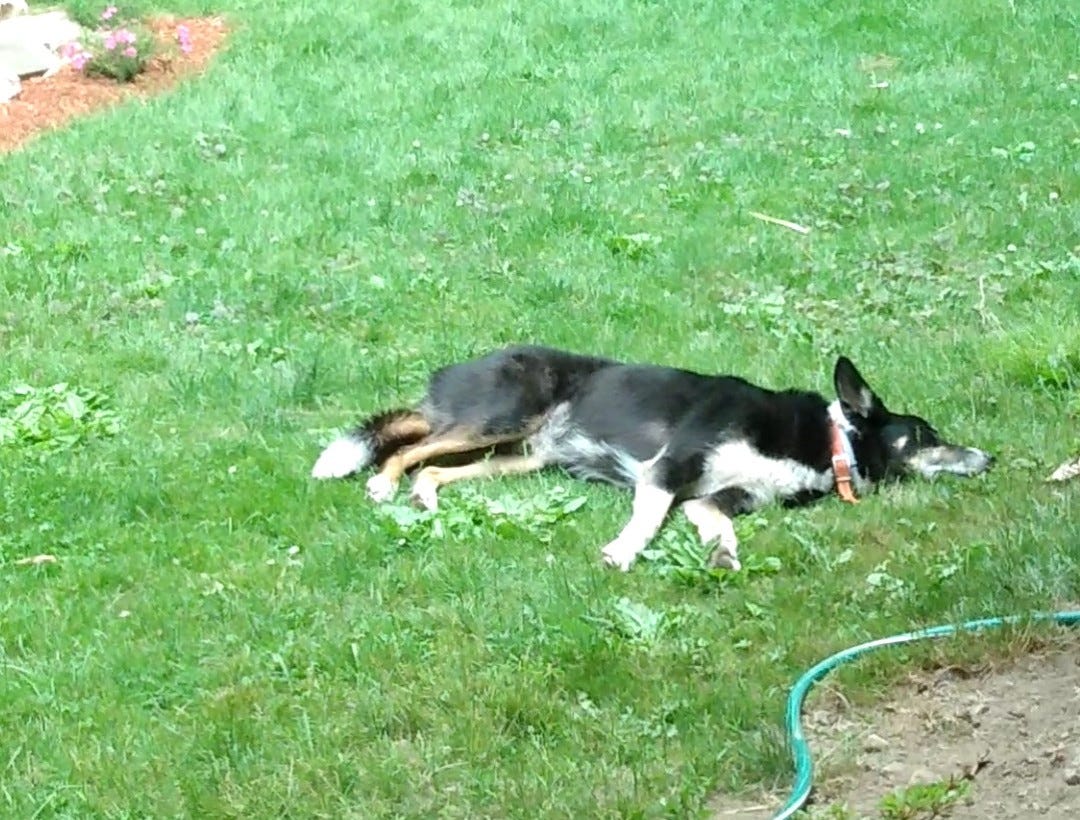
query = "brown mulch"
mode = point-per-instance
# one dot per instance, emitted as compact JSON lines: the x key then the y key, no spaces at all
{"x":51,"y":102}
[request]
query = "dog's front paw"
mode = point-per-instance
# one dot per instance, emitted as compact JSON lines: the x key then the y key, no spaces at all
{"x":380,"y":488}
{"x":723,"y":557}
{"x":619,"y":554}
{"x":425,"y":494}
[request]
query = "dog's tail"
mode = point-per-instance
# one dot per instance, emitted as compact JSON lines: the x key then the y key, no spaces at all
{"x":372,"y":442}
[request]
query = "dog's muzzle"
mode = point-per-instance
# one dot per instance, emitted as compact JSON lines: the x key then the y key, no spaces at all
{"x":965,"y":461}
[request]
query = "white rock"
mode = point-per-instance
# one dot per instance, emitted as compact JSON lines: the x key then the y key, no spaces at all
{"x":29,"y":42}
{"x":9,"y":86}
{"x":923,"y":776}
{"x":50,"y":28}
{"x":875,"y":743}
{"x":893,"y":770}
{"x":9,"y":8}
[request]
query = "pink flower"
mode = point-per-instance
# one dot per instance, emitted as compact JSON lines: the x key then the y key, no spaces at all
{"x":183,"y":37}
{"x":125,"y":36}
{"x":110,"y":41}
{"x":131,"y":51}
{"x":76,"y":55}
{"x":109,"y":13}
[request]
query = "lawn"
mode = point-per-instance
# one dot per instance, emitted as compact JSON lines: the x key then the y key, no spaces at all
{"x":353,"y":194}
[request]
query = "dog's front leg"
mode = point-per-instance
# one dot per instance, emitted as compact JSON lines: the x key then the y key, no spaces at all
{"x":713,"y":525}
{"x":651,"y":504}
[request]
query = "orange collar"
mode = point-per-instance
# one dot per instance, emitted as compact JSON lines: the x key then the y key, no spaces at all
{"x":841,"y":465}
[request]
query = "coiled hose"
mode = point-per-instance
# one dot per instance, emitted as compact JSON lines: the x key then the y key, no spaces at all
{"x":800,"y":750}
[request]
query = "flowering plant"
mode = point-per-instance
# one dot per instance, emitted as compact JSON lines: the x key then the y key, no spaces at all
{"x":183,"y":38}
{"x":119,"y":48}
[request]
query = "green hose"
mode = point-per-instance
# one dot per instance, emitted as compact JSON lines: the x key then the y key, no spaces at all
{"x":800,"y":750}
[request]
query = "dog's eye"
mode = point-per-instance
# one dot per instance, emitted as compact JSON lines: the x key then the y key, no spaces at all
{"x":901,"y":443}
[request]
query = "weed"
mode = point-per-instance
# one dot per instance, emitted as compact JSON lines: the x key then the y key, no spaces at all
{"x":924,"y":800}
{"x":636,"y":622}
{"x":472,"y":513}
{"x":676,"y":554}
{"x":633,"y":246}
{"x":48,"y":420}
{"x":833,"y":811}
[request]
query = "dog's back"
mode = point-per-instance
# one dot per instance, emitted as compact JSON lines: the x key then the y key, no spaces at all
{"x":506,"y":391}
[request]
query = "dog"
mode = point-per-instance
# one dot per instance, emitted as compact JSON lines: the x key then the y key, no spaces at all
{"x":717,"y":445}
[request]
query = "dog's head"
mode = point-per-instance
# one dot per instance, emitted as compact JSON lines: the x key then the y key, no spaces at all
{"x":889,"y":444}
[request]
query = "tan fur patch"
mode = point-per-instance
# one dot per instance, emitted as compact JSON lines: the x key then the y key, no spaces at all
{"x":412,"y":426}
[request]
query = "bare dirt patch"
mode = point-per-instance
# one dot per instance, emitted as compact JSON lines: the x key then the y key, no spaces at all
{"x":1021,"y":720}
{"x":51,"y":102}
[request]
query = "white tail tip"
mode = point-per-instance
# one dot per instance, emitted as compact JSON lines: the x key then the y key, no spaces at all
{"x":342,"y":458}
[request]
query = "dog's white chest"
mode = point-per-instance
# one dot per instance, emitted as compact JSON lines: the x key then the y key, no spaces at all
{"x":765,"y":479}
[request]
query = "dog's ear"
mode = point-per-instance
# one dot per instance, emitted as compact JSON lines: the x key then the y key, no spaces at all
{"x":854,"y":393}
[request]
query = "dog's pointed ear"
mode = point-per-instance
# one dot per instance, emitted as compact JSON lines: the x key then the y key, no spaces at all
{"x":854,"y":393}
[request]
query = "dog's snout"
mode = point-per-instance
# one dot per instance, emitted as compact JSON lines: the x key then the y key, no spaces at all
{"x":980,"y":459}
{"x":947,"y":458}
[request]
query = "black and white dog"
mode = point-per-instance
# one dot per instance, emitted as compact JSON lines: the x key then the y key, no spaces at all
{"x":718,"y":445}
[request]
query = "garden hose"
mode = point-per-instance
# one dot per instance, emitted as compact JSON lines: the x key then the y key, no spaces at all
{"x":800,"y":750}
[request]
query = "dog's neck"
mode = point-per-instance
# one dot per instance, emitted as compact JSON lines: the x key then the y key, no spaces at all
{"x":843,"y":455}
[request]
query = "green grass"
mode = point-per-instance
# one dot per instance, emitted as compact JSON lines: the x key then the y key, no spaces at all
{"x":356,"y":193}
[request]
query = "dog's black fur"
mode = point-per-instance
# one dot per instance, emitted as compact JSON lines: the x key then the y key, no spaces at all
{"x":720,"y":443}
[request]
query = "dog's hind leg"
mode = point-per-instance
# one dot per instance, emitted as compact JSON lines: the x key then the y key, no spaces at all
{"x":382,"y":486}
{"x":425,"y":488}
{"x":651,"y":505}
{"x":713,"y":525}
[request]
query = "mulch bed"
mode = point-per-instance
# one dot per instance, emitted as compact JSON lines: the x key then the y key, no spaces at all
{"x":51,"y":102}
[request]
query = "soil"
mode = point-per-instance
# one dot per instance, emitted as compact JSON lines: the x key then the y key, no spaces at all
{"x":1014,"y":732}
{"x":51,"y":102}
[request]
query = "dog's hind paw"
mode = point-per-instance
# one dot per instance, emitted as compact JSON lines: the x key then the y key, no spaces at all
{"x":381,"y":489}
{"x":425,"y":494}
